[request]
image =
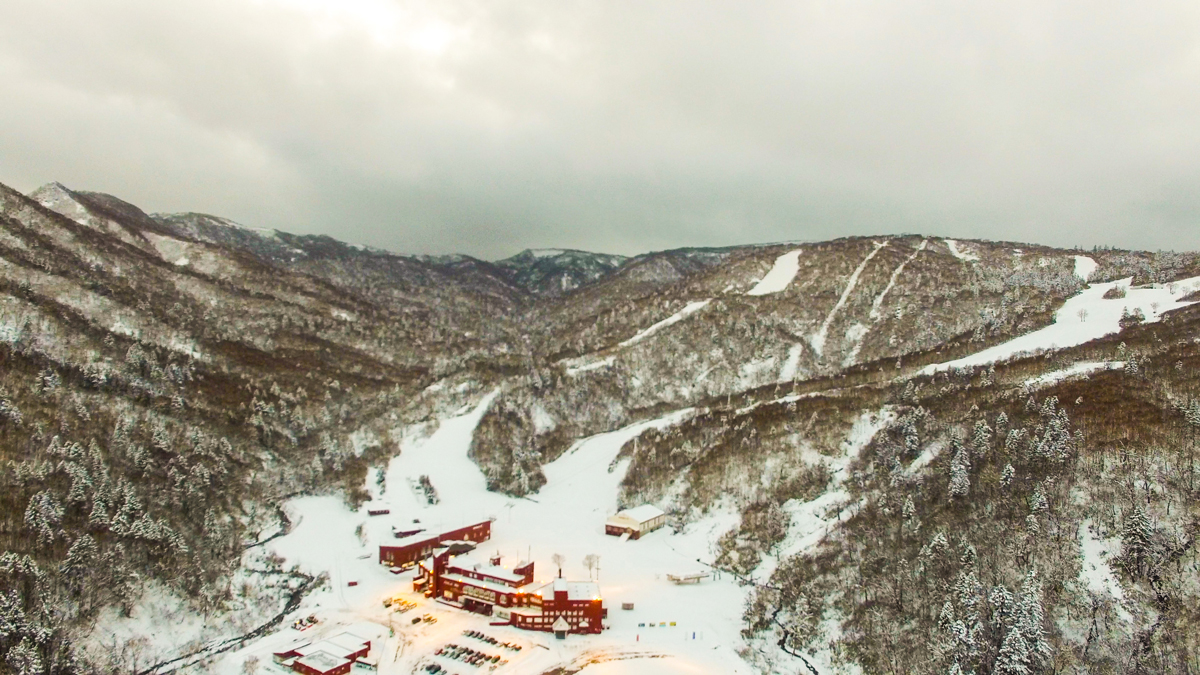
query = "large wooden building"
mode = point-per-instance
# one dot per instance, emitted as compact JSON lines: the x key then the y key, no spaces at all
{"x":417,"y":544}
{"x":511,"y":595}
{"x":635,"y":522}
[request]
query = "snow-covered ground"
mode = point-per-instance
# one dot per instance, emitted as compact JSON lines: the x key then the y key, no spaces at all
{"x":1095,"y":570}
{"x":1083,"y":368}
{"x":877,"y":304}
{"x":812,"y":520}
{"x":1082,"y":318}
{"x":1084,"y":266}
{"x":788,"y":372}
{"x":959,"y":253}
{"x":574,"y":370}
{"x":780,"y":275}
{"x":691,"y":308}
{"x":566,"y":517}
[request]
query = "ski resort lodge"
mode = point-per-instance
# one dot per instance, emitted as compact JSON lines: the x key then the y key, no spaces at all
{"x":633,"y":523}
{"x":511,"y":595}
{"x":332,"y":656}
{"x":418,"y":543}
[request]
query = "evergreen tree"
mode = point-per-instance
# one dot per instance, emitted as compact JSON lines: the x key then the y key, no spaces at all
{"x":1137,"y":539}
{"x":1014,"y":654}
{"x":960,"y":481}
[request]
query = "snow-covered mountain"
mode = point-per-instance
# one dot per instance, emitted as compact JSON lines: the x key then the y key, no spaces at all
{"x":902,"y":453}
{"x":555,"y":272}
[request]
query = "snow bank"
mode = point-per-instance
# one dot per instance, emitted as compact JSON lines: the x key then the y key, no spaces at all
{"x":780,"y":275}
{"x":1082,"y":318}
{"x":955,"y":251}
{"x":691,"y":308}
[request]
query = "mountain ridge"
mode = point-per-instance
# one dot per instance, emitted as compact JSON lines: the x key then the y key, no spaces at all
{"x":169,"y":380}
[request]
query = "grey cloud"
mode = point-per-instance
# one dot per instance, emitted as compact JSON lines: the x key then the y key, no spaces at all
{"x":487,"y":127}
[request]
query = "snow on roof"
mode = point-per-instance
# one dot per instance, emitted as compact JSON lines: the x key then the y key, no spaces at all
{"x":298,"y":644}
{"x":582,"y":590}
{"x":347,"y":641}
{"x":322,"y":661}
{"x":472,"y":563}
{"x":480,"y":583}
{"x":643,"y":513}
{"x":340,"y":645}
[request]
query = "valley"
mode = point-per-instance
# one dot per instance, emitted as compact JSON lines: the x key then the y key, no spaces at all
{"x":889,"y":454}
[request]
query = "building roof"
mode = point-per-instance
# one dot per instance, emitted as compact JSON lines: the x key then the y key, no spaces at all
{"x":643,"y":513}
{"x":576,"y":590}
{"x":292,"y":647}
{"x":341,"y":645}
{"x":322,"y":661}
{"x":479,"y":583}
{"x":347,"y":641}
{"x":583,"y":590}
{"x":473,"y":564}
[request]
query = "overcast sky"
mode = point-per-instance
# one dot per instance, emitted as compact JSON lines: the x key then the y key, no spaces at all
{"x":490,"y":126}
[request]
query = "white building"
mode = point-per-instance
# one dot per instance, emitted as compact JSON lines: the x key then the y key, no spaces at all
{"x":636,"y":521}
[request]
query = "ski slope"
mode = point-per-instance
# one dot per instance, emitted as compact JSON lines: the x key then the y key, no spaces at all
{"x":818,"y":340}
{"x":780,"y":275}
{"x":566,"y":517}
{"x":691,"y":308}
{"x":1084,"y":267}
{"x":1084,"y":317}
{"x":959,"y":253}
{"x":1081,"y":369}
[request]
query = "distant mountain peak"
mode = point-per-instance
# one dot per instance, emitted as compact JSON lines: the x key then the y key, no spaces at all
{"x":557,"y":271}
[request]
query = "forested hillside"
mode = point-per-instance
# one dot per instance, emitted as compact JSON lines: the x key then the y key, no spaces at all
{"x":945,"y":456}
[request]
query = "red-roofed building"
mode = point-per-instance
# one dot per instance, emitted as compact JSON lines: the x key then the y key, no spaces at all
{"x":511,"y":594}
{"x":418,"y":544}
{"x":332,"y":656}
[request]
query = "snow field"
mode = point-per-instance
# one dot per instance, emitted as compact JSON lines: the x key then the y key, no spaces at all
{"x":566,"y":517}
{"x":1084,"y":317}
{"x":780,"y":274}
